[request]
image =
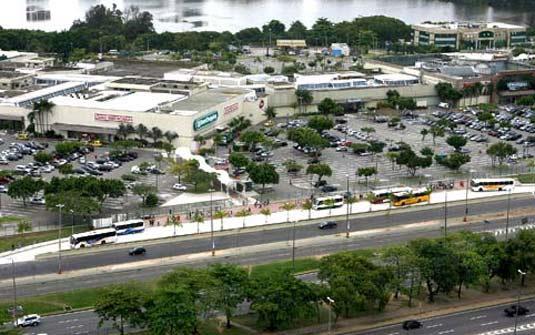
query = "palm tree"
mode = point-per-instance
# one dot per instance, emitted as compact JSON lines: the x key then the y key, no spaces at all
{"x":41,"y":110}
{"x":329,"y":203}
{"x":170,"y":136}
{"x":221,"y":214}
{"x":198,"y":218}
{"x":350,"y":200}
{"x":122,"y":131}
{"x":424,"y":132}
{"x":142,"y":131}
{"x":156,"y":134}
{"x":175,"y":221}
{"x":266,"y":211}
{"x":24,"y":226}
{"x":270,"y":113}
{"x":243,"y":214}
{"x":239,"y":123}
{"x":307,"y":206}
{"x":288,"y":206}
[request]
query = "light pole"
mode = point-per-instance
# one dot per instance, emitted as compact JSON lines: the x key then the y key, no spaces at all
{"x":60,"y":206}
{"x":72,"y":221}
{"x":330,"y":302}
{"x":293,"y":248}
{"x":507,"y":216}
{"x":212,"y":221}
{"x":13,"y":274}
{"x":466,"y":196}
{"x":445,"y":214}
{"x":522,"y":274}
{"x":348,"y":228}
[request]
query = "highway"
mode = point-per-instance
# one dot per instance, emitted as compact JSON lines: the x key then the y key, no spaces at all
{"x":483,"y":321}
{"x":246,"y":241}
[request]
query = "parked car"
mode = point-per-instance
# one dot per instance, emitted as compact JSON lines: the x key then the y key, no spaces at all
{"x":179,"y":187}
{"x":37,"y":200}
{"x":327,"y":225}
{"x":28,"y":320}
{"x":137,"y":251}
{"x":412,"y":324}
{"x":329,"y":188}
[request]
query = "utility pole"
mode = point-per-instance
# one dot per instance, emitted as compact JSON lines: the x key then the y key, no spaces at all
{"x":330,"y":302}
{"x":522,"y":274}
{"x":13,"y":274}
{"x":212,"y":221}
{"x":293,"y":248}
{"x":348,"y":227}
{"x":507,"y":216}
{"x":445,"y":214}
{"x":72,"y":221}
{"x":60,"y":206}
{"x":466,"y":201}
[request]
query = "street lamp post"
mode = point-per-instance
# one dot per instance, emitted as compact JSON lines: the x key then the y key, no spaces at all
{"x":522,"y":274}
{"x":13,"y":274}
{"x":507,"y":216}
{"x":60,"y":206}
{"x":348,"y":228}
{"x":212,"y":221}
{"x":331,"y":302}
{"x":72,"y":221}
{"x":293,"y":247}
{"x":445,"y":213}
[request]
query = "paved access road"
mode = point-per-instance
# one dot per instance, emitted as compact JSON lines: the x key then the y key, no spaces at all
{"x":246,"y":241}
{"x":483,"y":321}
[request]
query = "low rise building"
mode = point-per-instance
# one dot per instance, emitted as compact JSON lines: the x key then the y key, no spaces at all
{"x":469,"y":35}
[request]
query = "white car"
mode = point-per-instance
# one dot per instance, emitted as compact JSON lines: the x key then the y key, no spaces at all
{"x":21,"y":168}
{"x":38,"y":200}
{"x":28,"y":320}
{"x":3,"y":189}
{"x":179,"y":187}
{"x":82,"y":160}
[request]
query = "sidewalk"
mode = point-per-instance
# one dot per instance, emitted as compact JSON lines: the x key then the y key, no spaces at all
{"x":255,"y":219}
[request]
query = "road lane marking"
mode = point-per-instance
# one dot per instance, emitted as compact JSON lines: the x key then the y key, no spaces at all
{"x":478,"y":317}
{"x":447,"y":331}
{"x":396,"y":333}
{"x":434,"y":326}
{"x":488,"y":323}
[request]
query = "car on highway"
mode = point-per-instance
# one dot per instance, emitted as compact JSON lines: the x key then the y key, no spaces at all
{"x":28,"y":320}
{"x":412,"y":324}
{"x":512,"y":310}
{"x":179,"y":187}
{"x":3,"y":189}
{"x":137,"y":251}
{"x":327,"y":225}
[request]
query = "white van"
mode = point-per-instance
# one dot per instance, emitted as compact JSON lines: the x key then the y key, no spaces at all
{"x":444,"y":105}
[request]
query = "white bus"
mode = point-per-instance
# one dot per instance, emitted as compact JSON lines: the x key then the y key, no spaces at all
{"x":129,"y":227}
{"x":94,"y":237}
{"x":328,"y":202}
{"x":492,"y":184}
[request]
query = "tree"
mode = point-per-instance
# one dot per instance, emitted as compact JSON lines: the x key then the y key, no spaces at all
{"x":453,"y":161}
{"x":269,"y":70}
{"x":41,"y":109}
{"x":220,"y":214}
{"x":266,"y":211}
{"x":172,"y":312}
{"x":446,"y":92}
{"x":156,"y":134}
{"x":292,"y":166}
{"x":376,"y":147}
{"x":288,"y":206}
{"x":143,"y":190}
{"x":329,"y":106}
{"x":320,"y":123}
{"x":424,"y":132}
{"x":360,"y":148}
{"x":65,"y":148}
{"x":239,"y":123}
{"x":24,"y":226}
{"x":251,"y":138}
{"x":73,"y":200}
{"x":24,"y":188}
{"x":307,"y":137}
{"x":304,"y":98}
{"x":501,"y":151}
{"x":368,"y":130}
{"x":470,"y":266}
{"x":238,"y":160}
{"x":66,"y":169}
{"x":170,"y":136}
{"x":142,"y":131}
{"x":122,"y":304}
{"x":436,"y":131}
{"x":42,"y":157}
{"x":427,"y":151}
{"x":280,"y":299}
{"x":232,"y":284}
{"x":270,"y":112}
{"x":321,"y":170}
{"x":366,"y":172}
{"x":151,"y":200}
{"x":456,"y":141}
{"x":263,"y":174}
{"x":307,"y":206}
{"x":412,"y":161}
{"x":243,"y":213}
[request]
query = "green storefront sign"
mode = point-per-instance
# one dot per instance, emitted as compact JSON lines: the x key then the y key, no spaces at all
{"x":205,"y":121}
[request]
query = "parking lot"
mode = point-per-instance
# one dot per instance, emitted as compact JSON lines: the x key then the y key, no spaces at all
{"x":344,"y":163}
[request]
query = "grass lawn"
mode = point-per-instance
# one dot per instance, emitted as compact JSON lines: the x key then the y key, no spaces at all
{"x":11,"y":219}
{"x":528,"y":178}
{"x":301,"y":265}
{"x":32,"y":238}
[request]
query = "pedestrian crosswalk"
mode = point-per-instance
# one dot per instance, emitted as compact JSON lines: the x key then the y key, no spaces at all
{"x":511,"y":230}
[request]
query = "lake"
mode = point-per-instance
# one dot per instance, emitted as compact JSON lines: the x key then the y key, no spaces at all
{"x":233,"y":15}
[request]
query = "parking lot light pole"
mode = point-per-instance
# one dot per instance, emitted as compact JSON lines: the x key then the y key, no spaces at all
{"x":60,"y":206}
{"x":522,"y":274}
{"x":330,"y":302}
{"x":212,"y":221}
{"x":348,"y":228}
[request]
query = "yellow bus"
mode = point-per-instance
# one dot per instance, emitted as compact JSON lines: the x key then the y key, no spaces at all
{"x":409,"y":198}
{"x":492,"y":184}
